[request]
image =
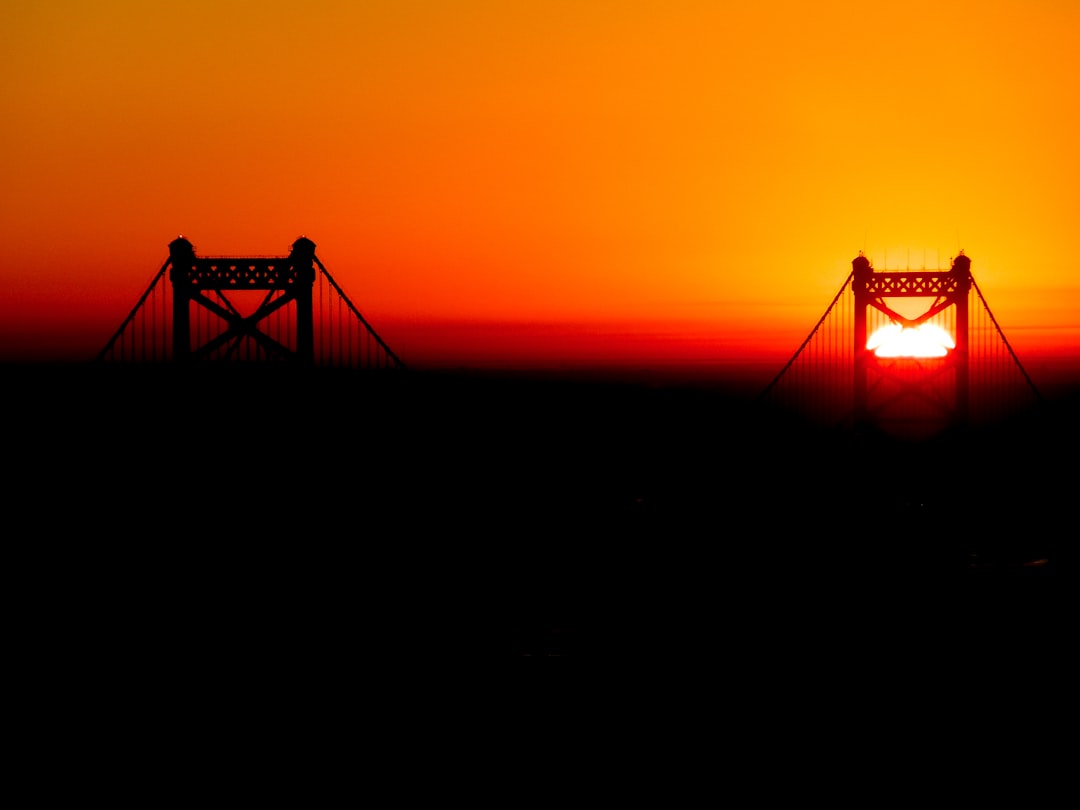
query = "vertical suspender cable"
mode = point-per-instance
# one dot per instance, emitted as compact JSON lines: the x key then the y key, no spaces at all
{"x":813,"y":331}
{"x":131,"y":315}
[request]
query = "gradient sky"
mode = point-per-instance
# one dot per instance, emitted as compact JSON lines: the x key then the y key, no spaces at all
{"x":683,"y":177}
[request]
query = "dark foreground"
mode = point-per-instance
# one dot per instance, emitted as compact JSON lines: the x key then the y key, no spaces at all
{"x":226,"y":521}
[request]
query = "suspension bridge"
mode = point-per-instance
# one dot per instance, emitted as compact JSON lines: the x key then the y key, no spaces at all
{"x":908,"y":353}
{"x":573,"y":500}
{"x":252,"y":309}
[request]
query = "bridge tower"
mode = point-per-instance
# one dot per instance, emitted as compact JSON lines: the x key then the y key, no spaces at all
{"x":293,"y":276}
{"x":247,"y":309}
{"x":906,"y":353}
{"x":890,"y":387}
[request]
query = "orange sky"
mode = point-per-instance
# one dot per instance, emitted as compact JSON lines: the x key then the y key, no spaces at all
{"x":702,"y":170}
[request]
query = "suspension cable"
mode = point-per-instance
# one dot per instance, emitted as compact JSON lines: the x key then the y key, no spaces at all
{"x":356,"y":312}
{"x":135,"y":309}
{"x":809,"y":337}
{"x":1004,"y":339}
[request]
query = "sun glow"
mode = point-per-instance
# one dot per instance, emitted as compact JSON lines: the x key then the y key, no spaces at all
{"x":925,"y":340}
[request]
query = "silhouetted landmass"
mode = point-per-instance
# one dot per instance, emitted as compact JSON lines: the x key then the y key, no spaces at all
{"x":304,"y":515}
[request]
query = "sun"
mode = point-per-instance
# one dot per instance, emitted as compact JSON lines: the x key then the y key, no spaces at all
{"x":924,"y":340}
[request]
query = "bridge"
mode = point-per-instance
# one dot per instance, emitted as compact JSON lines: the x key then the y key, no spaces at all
{"x":904,"y":353}
{"x":910,"y":353}
{"x":253,"y":309}
{"x":625,"y":516}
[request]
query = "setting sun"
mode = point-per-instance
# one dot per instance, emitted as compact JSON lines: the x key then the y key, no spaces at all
{"x":925,"y":340}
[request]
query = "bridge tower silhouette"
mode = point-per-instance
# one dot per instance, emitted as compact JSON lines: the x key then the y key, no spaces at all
{"x":253,"y":309}
{"x":858,"y":368}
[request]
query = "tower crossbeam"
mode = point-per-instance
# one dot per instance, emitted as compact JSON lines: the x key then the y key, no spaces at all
{"x":252,"y":274}
{"x":910,"y":284}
